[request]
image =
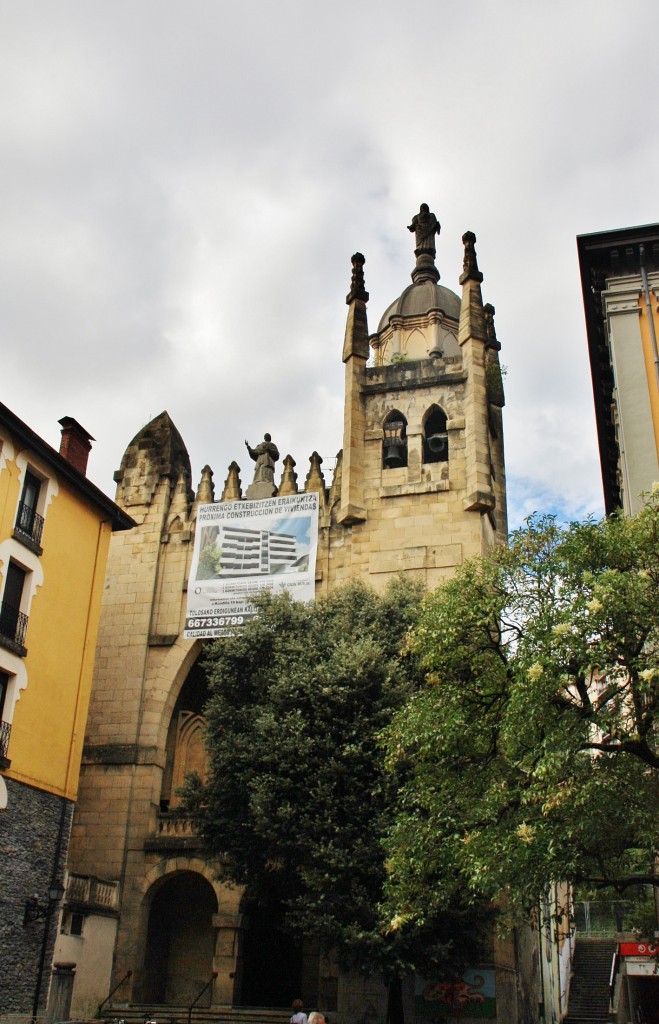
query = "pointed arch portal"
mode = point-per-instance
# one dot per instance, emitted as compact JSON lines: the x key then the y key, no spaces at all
{"x":180,"y":940}
{"x":271,"y":960}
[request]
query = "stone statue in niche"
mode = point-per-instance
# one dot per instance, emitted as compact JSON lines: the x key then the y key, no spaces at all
{"x":264,"y":455}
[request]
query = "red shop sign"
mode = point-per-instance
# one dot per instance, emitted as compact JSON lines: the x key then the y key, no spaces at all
{"x":637,"y":949}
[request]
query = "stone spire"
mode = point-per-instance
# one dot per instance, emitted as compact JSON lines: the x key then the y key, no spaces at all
{"x":357,"y":284}
{"x":288,"y":483}
{"x":472,"y":317}
{"x":492,"y":342}
{"x":232,"y":489}
{"x":356,"y":336}
{"x":205,"y":490}
{"x":493,"y":375}
{"x":425,"y":226}
{"x":356,"y":351}
{"x":315,"y":480}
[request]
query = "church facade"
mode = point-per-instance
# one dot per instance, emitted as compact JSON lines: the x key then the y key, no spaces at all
{"x":418,"y":487}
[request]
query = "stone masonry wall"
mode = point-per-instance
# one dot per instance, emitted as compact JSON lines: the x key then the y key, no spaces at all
{"x":34,"y":839}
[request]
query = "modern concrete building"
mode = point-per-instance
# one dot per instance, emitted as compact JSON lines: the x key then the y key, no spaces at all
{"x":55,"y":529}
{"x":620,"y":283}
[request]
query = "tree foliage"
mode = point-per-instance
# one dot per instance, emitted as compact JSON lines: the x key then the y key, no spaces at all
{"x":298,"y":798}
{"x":531,"y":751}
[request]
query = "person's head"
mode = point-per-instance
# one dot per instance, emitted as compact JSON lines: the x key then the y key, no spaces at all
{"x":266,"y":437}
{"x":316,"y":1018}
{"x":424,"y":208}
{"x":298,"y":1005}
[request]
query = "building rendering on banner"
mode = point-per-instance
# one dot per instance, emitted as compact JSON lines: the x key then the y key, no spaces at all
{"x":418,"y":487}
{"x":248,"y":552}
{"x":620,"y":283}
{"x":55,"y":529}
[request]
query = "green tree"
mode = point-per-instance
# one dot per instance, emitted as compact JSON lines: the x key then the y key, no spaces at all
{"x":210,"y":562}
{"x":298,"y":798}
{"x":531,"y":752}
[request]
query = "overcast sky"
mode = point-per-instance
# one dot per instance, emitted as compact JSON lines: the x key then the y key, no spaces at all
{"x":182,"y":185}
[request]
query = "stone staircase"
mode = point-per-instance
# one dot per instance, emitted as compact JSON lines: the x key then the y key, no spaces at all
{"x":137,"y":1013}
{"x":589,"y":988}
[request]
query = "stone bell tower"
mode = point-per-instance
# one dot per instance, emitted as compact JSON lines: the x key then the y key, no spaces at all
{"x":418,"y":487}
{"x":421,"y":483}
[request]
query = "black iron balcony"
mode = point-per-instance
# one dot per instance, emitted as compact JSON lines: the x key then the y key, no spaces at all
{"x":13,"y":628}
{"x":5,"y":732}
{"x":29,"y":524}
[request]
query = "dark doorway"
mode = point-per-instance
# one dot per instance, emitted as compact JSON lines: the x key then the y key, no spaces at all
{"x":180,"y":941}
{"x":271,"y":959}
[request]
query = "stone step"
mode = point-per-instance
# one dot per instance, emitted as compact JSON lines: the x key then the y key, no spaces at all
{"x":162,"y":1013}
{"x":586,"y":1020}
{"x":589,"y":988}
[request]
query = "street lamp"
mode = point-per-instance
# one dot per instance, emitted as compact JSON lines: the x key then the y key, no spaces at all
{"x":35,"y":910}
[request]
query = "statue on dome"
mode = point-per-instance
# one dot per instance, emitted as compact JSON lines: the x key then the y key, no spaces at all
{"x":425,"y":226}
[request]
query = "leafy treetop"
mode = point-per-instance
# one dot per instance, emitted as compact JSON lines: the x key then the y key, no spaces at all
{"x":298,"y":799}
{"x":531,"y":753}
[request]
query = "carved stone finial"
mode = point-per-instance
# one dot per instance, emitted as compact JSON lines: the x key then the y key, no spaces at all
{"x":205,"y":490}
{"x":315,"y":481}
{"x":232,"y":489}
{"x":264,"y":455}
{"x":470,"y":271}
{"x":489,"y":311}
{"x":288,"y":484}
{"x":425,"y":226}
{"x":357,"y":284}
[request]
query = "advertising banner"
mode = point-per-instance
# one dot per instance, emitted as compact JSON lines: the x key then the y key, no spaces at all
{"x":244,"y":547}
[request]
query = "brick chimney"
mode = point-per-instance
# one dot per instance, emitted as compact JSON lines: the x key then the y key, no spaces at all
{"x":76,"y":443}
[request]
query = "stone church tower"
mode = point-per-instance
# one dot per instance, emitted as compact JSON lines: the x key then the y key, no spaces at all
{"x":418,"y":488}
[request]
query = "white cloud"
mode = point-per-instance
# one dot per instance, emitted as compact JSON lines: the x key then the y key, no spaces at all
{"x":183,"y":187}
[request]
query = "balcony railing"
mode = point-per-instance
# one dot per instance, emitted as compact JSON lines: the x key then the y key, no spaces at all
{"x":13,"y":627}
{"x":29,"y":523}
{"x":175,"y":823}
{"x":5,"y":732}
{"x":92,"y":891}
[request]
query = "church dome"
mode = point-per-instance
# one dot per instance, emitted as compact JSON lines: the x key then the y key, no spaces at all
{"x":419,"y":299}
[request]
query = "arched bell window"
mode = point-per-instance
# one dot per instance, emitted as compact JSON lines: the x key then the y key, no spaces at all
{"x":394,"y":442}
{"x":435,"y":437}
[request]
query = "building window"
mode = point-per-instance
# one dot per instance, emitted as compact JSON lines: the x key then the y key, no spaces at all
{"x":73,"y":923}
{"x":435,"y":437}
{"x":5,"y":727}
{"x":13,"y":622}
{"x":29,"y":524}
{"x":394,"y":442}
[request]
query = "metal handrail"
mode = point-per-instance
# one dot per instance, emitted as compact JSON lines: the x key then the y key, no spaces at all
{"x":615,"y":962}
{"x":109,"y":997}
{"x":13,"y":624}
{"x":200,"y":994}
{"x":29,"y":522}
{"x":5,"y":732}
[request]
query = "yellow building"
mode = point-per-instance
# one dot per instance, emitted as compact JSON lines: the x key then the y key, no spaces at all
{"x":55,"y":529}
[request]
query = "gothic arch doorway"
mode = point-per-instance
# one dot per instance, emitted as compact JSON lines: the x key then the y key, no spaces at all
{"x":180,"y":940}
{"x":270,"y":959}
{"x":185,"y":749}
